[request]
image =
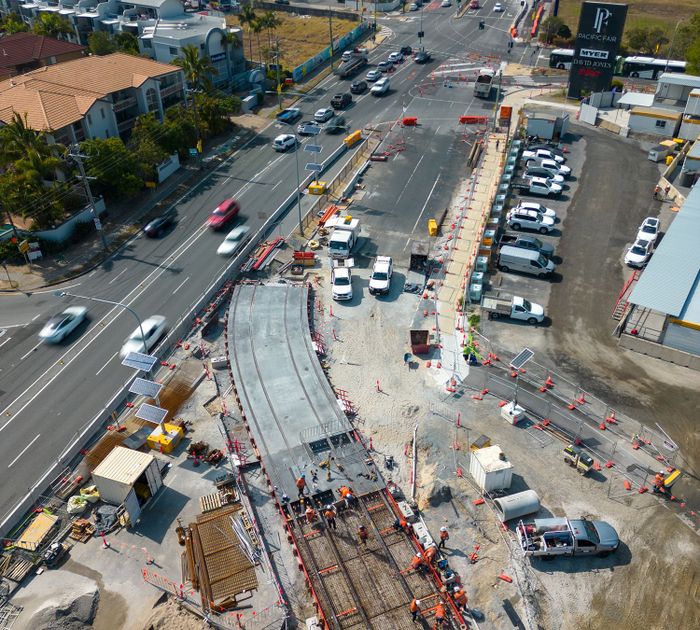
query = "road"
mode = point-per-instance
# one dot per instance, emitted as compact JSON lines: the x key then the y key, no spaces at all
{"x":48,"y":394}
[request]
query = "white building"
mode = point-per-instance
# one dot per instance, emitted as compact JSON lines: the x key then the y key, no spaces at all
{"x":655,"y":121}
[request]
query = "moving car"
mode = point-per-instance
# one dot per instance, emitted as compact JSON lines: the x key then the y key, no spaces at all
{"x":341,"y":101}
{"x":421,"y":57}
{"x":523,"y":219}
{"x":413,"y":7}
{"x":380,"y":87}
{"x":337,"y":125}
{"x":63,"y":324}
{"x":543,"y":153}
{"x":649,"y":230}
{"x":346,"y":56}
{"x":234,"y":239}
{"x":373,"y":75}
{"x":309,"y":128}
{"x":498,"y":8}
{"x":341,"y":283}
{"x":224,"y":212}
{"x":446,"y":3}
{"x":157,"y":226}
{"x":384,"y":66}
{"x":395,"y":57}
{"x":406,"y":50}
{"x":537,"y":207}
{"x":284,"y":142}
{"x":153,"y":329}
{"x":289,"y":115}
{"x":474,"y":4}
{"x":358,"y":87}
{"x":323,"y":114}
{"x":638,"y":255}
{"x":380,"y":280}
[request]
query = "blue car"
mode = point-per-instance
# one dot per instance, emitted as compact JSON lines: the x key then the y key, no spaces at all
{"x":289,"y":115}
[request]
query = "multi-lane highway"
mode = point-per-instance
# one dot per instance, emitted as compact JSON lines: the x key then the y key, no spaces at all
{"x":49,"y":393}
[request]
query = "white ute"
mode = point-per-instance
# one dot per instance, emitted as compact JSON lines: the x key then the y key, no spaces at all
{"x":341,"y":283}
{"x":380,"y":280}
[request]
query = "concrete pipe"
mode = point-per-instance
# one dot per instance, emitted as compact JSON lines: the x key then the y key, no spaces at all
{"x":517,"y":505}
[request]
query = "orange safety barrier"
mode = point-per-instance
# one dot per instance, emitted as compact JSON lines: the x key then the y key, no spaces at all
{"x":409,"y":121}
{"x":330,"y":211}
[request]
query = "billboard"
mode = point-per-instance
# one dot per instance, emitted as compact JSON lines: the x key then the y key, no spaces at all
{"x":597,"y":42}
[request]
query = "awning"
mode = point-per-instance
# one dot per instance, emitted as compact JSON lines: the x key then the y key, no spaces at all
{"x":637,"y":99}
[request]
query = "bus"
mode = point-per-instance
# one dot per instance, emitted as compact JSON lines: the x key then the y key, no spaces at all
{"x":561,"y":58}
{"x":648,"y":67}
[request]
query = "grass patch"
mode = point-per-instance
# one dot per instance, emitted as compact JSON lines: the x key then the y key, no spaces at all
{"x":301,"y":37}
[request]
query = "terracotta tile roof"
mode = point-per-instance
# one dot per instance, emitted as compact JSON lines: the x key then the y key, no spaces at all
{"x":22,"y":48}
{"x":58,"y":95}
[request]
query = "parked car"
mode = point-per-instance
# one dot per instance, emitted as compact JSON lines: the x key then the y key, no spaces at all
{"x":537,"y":171}
{"x":323,"y":114}
{"x":553,"y":167}
{"x":373,"y":75}
{"x":341,"y":101}
{"x":524,"y":261}
{"x":380,"y":280}
{"x":234,"y":239}
{"x":284,"y":142}
{"x":395,"y":57}
{"x":446,"y":3}
{"x":224,"y":212}
{"x":649,"y":230}
{"x":153,"y":329}
{"x":638,"y":255}
{"x":341,"y":283}
{"x":548,"y":146}
{"x":63,"y":324}
{"x":537,"y":207}
{"x":358,"y":87}
{"x":522,"y":219}
{"x":289,"y":115}
{"x":542,"y":153}
{"x":309,"y":128}
{"x":380,"y":87}
{"x":384,"y":66}
{"x":156,"y":227}
{"x":422,"y":56}
{"x":406,"y":50}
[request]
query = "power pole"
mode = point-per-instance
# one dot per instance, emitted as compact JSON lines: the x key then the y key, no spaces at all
{"x":330,"y":32}
{"x":277,"y":63}
{"x":75,"y":154}
{"x":498,"y":96}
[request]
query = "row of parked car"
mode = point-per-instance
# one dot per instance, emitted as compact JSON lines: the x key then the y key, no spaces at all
{"x":379,"y":281}
{"x":639,"y":253}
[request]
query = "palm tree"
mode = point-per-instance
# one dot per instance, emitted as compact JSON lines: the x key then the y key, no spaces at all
{"x":52,"y":25}
{"x":18,"y":141}
{"x":270,"y":21}
{"x":258,"y":27}
{"x":247,"y":17}
{"x":229,"y":40}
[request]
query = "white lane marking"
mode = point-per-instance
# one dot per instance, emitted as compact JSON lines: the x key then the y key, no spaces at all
{"x":92,"y":274}
{"x":4,"y":342}
{"x":425,"y":205}
{"x":107,"y":362}
{"x":277,"y":184}
{"x":23,"y":451}
{"x":36,"y":317}
{"x":117,"y":276}
{"x":24,"y":356}
{"x":179,"y":286}
{"x":408,"y":181}
{"x":22,"y":325}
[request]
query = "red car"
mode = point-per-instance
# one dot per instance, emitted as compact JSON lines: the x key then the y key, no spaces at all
{"x":224,"y":212}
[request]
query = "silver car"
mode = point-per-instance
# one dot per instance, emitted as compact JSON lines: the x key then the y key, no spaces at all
{"x":153,"y":329}
{"x":63,"y":324}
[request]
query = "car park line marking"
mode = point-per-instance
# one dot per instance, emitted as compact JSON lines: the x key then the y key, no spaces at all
{"x":23,"y":451}
{"x":4,"y":342}
{"x":24,"y":356}
{"x":36,"y":316}
{"x":425,"y":205}
{"x":117,"y":276}
{"x":179,"y":286}
{"x":107,"y":362}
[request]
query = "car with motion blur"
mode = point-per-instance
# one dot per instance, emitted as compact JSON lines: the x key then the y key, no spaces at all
{"x":406,"y":50}
{"x":289,"y":115}
{"x":153,"y":329}
{"x":63,"y":324}
{"x":341,"y":101}
{"x":323,"y":114}
{"x":284,"y":142}
{"x":157,"y":227}
{"x":309,"y":128}
{"x":336,"y":125}
{"x":413,"y":6}
{"x":421,"y":56}
{"x":395,"y":57}
{"x":649,"y":230}
{"x":638,"y":254}
{"x":358,"y":87}
{"x":380,"y":87}
{"x":446,"y":4}
{"x":234,"y":239}
{"x":373,"y":75}
{"x":474,"y":4}
{"x":224,"y":213}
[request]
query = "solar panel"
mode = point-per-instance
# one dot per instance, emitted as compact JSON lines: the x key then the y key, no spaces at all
{"x":145,"y":388}
{"x":151,"y":413}
{"x":139,"y":361}
{"x":522,"y":358}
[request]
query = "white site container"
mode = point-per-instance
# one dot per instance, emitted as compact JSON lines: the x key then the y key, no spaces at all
{"x":490,"y":469}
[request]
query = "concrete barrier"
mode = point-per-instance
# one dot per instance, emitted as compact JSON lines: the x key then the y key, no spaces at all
{"x":656,"y":350}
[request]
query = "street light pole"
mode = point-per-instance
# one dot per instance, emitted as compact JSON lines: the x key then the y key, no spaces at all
{"x":62,"y":294}
{"x":296,"y":159}
{"x":670,"y":48}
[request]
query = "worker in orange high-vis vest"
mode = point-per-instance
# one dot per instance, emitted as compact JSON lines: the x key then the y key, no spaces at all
{"x":310,"y":515}
{"x":460,"y":598}
{"x":414,"y":607}
{"x":430,"y":554}
{"x":416,"y":561}
{"x":444,"y":537}
{"x":301,"y":484}
{"x":439,"y":615}
{"x":363,"y":534}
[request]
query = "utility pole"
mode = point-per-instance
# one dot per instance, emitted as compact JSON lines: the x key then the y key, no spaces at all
{"x":75,"y":154}
{"x":670,"y":48}
{"x":277,"y":64}
{"x":498,"y":96}
{"x":330,"y":32}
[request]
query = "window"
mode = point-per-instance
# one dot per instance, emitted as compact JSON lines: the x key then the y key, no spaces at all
{"x":147,"y":43}
{"x":102,"y":111}
{"x":661,"y":123}
{"x":201,"y":46}
{"x":89,"y":117}
{"x":173,"y":50}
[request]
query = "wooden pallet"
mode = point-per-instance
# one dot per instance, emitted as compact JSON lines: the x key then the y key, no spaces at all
{"x":210,"y":502}
{"x":17,"y":568}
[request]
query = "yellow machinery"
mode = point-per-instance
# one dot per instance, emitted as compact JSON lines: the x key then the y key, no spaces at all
{"x":578,"y":459}
{"x":165,"y":441}
{"x":317,"y":188}
{"x":432,"y":227}
{"x":354,"y":137}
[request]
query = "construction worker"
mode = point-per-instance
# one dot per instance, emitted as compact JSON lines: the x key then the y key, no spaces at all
{"x":330,"y":515}
{"x":659,"y":480}
{"x":416,"y":562}
{"x":310,"y":515}
{"x":444,"y":537}
{"x":347,"y":495}
{"x":439,"y":615}
{"x":430,"y":554}
{"x":400,"y":524}
{"x":363,"y":534}
{"x":460,"y":598}
{"x":414,"y":607}
{"x":301,"y":484}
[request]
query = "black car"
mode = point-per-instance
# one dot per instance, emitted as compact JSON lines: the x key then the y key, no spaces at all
{"x":157,"y":226}
{"x":358,"y":87}
{"x":422,"y":57}
{"x":341,"y":101}
{"x":281,"y":1}
{"x":336,"y":125}
{"x":406,"y":51}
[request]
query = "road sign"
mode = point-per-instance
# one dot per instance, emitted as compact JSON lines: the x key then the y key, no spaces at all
{"x":311,"y":166}
{"x":313,"y":148}
{"x":193,"y":152}
{"x":98,"y":223}
{"x":24,"y":246}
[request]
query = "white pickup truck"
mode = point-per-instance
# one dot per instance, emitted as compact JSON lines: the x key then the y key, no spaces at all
{"x":537,"y":186}
{"x":380,"y":280}
{"x":514,"y":307}
{"x":549,"y":537}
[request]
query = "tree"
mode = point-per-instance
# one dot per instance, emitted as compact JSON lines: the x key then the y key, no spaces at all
{"x":215,"y":110}
{"x":247,"y":17}
{"x":258,"y":27}
{"x":52,"y":25}
{"x":198,"y":70}
{"x":692,"y":56}
{"x":174,"y":135}
{"x":686,"y":34}
{"x":113,"y":166}
{"x":127,"y":43}
{"x":148,"y":155}
{"x":229,"y":41}
{"x":100,"y":43}
{"x":646,"y":40}
{"x":13,"y":23}
{"x":553,"y":27}
{"x":270,"y":21}
{"x":20,"y":142}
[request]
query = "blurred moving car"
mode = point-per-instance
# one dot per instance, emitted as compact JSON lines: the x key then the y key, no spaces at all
{"x":234,"y":239}
{"x":153,"y":329}
{"x":289,"y":115}
{"x":63,"y":324}
{"x":156,"y":227}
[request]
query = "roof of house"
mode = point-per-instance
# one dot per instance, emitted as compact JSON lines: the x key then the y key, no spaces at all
{"x":22,"y":48}
{"x":676,"y":78}
{"x":58,"y":95}
{"x":656,"y":112}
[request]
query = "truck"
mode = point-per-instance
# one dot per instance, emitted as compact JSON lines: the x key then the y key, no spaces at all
{"x":380,"y":280}
{"x":550,"y":537}
{"x":515,"y":307}
{"x":526,"y":242}
{"x":483,"y":83}
{"x":356,"y":61}
{"x":536,"y":186}
{"x":344,"y":236}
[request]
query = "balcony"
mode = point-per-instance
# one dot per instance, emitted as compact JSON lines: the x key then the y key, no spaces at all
{"x":171,"y":89}
{"x":125,"y":103}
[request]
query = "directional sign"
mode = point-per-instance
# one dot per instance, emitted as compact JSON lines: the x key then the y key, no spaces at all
{"x":24,"y":245}
{"x":193,"y":152}
{"x":313,"y":148}
{"x":311,"y":166}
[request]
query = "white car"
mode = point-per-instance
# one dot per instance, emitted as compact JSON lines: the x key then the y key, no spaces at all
{"x":638,"y":254}
{"x":63,"y":324}
{"x":380,"y":280}
{"x":498,"y":8}
{"x":521,"y":219}
{"x":543,"y":153}
{"x":324,"y":114}
{"x":234,"y":239}
{"x":373,"y":75}
{"x":446,"y":3}
{"x":341,"y":283}
{"x":550,"y":165}
{"x":346,"y":56}
{"x":284,"y":142}
{"x":395,"y":57}
{"x":537,"y":207}
{"x":413,"y":6}
{"x":536,"y":171}
{"x":649,"y":230}
{"x":153,"y":329}
{"x":380,"y":87}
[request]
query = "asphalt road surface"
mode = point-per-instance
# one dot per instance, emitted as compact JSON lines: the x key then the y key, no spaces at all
{"x":48,"y":394}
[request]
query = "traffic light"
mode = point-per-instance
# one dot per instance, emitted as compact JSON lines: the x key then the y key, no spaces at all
{"x":421,"y":34}
{"x":481,"y":25}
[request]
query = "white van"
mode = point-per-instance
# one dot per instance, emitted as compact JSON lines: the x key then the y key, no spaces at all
{"x":526,"y":261}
